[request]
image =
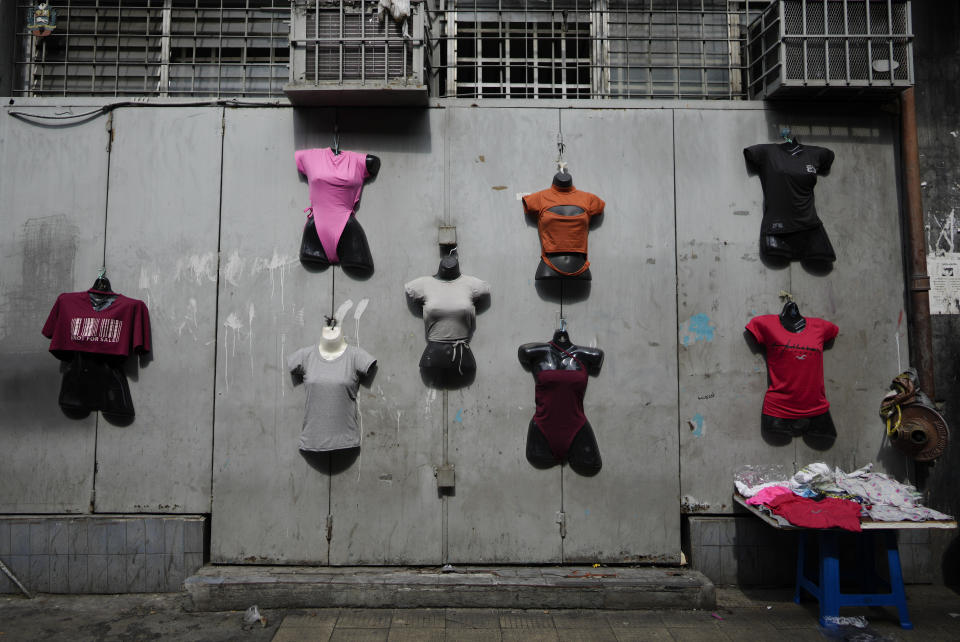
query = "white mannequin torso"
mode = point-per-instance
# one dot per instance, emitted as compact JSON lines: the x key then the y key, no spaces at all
{"x":332,"y":343}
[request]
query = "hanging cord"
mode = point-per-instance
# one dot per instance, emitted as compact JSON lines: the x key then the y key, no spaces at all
{"x":893,"y":429}
{"x":336,"y":131}
{"x":561,"y":147}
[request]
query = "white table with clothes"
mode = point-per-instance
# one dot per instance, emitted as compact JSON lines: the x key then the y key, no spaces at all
{"x":886,"y":506}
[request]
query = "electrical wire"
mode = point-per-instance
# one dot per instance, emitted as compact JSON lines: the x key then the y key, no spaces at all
{"x":106,"y":109}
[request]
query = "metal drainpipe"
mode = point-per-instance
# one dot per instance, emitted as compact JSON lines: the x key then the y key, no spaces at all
{"x":921,"y":334}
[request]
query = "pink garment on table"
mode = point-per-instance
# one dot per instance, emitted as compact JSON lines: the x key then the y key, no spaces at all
{"x":768,"y":493}
{"x":336,"y":181}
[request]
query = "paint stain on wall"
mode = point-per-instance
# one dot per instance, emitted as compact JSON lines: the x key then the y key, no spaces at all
{"x":697,"y":328}
{"x":49,"y":246}
{"x":275,"y":266}
{"x":233,"y":326}
{"x":197,"y":268}
{"x":697,"y":425}
{"x":233,"y":269}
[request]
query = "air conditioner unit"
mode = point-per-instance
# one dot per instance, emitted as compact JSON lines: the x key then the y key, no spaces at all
{"x":834,"y":48}
{"x":342,"y":53}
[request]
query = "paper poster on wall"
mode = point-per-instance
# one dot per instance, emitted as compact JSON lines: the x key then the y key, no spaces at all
{"x":944,"y":271}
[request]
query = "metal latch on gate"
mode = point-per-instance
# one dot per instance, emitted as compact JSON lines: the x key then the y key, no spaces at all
{"x":562,"y":520}
{"x":446,"y":478}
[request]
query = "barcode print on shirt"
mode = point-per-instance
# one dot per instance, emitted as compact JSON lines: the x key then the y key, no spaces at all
{"x":94,"y":329}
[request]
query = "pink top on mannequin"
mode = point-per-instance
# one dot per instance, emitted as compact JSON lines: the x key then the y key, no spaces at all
{"x":336,"y":181}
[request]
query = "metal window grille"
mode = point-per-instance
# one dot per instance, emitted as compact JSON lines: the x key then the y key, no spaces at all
{"x":807,"y":47}
{"x":474,"y":48}
{"x":592,"y":48}
{"x":347,"y":43}
{"x":157,"y":48}
{"x":546,"y":55}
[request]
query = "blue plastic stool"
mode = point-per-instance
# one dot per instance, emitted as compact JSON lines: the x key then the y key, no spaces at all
{"x":827,"y":589}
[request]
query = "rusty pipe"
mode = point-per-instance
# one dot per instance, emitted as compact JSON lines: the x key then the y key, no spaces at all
{"x":918,"y":281}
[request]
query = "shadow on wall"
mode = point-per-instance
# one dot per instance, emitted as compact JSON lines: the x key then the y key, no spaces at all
{"x":394,"y":129}
{"x":815,"y":124}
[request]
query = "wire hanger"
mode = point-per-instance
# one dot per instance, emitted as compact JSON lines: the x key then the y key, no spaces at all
{"x":102,"y":283}
{"x":561,"y":147}
{"x":790,"y":139}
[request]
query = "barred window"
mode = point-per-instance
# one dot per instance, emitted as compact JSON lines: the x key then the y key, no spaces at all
{"x":157,"y":48}
{"x":690,"y":49}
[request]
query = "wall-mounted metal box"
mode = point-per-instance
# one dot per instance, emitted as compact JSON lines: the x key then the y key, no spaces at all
{"x":835,"y":48}
{"x":341,"y":53}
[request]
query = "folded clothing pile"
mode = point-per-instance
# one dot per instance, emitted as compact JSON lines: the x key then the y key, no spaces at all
{"x":820,"y":497}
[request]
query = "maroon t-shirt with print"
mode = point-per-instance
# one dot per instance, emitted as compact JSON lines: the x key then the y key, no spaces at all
{"x":75,"y":326}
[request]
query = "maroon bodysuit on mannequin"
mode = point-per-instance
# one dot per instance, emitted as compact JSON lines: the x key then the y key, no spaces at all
{"x":559,"y":430}
{"x":559,"y":396}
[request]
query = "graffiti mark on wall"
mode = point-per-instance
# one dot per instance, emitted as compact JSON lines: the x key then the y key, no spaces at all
{"x":697,"y":328}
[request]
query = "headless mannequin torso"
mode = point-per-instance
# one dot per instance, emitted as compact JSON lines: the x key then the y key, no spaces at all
{"x":332,"y":343}
{"x":566,"y":261}
{"x":353,"y":249}
{"x":791,"y":319}
{"x":819,"y":430}
{"x":445,"y":356}
{"x":546,"y":442}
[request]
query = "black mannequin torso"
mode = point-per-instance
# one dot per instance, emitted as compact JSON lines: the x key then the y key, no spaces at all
{"x":101,"y":294}
{"x":543,"y":449}
{"x":560,"y":354}
{"x":566,"y":261}
{"x":791,"y":319}
{"x":818,"y":431}
{"x":449,"y":268}
{"x":353,"y":249}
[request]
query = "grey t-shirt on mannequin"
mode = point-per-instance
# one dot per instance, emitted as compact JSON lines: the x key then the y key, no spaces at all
{"x":449,"y":310}
{"x":330,"y":421}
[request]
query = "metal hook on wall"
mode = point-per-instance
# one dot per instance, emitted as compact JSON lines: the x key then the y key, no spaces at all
{"x":561,"y":147}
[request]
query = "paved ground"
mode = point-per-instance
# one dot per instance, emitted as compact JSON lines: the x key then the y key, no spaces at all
{"x":757,"y":616}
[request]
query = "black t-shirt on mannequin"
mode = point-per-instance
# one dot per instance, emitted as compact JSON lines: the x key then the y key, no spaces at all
{"x":559,"y":430}
{"x":788,"y":173}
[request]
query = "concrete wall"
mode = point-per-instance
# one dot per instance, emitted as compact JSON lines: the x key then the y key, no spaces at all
{"x":197,"y":211}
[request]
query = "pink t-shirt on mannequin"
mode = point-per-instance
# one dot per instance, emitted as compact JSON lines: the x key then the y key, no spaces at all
{"x":336,"y":182}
